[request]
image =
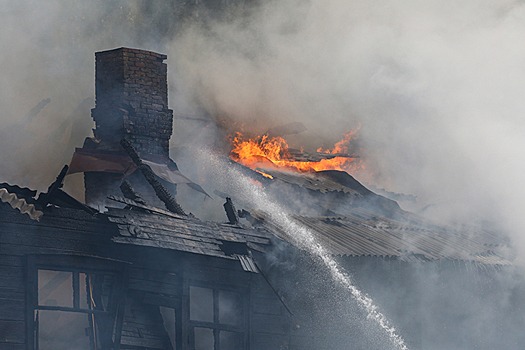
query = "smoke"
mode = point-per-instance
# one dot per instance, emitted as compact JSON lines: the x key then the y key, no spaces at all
{"x":436,"y":88}
{"x":48,"y":52}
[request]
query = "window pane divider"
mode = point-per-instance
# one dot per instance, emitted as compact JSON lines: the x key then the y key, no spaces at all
{"x":219,"y":326}
{"x":76,"y":290}
{"x":71,"y":309}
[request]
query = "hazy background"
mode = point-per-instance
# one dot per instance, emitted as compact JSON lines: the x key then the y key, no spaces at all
{"x":437,"y":87}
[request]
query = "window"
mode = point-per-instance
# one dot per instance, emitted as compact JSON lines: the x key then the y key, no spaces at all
{"x":216,"y":319}
{"x":73,"y":307}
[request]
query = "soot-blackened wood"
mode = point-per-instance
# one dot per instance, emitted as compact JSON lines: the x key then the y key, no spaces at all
{"x":170,"y":202}
{"x":39,"y":243}
{"x":151,"y":286}
{"x":143,"y":326}
{"x":31,"y":301}
{"x":12,"y":310}
{"x":58,"y":197}
{"x":161,"y":300}
{"x":179,"y":311}
{"x":17,"y":296}
{"x":128,"y":192}
{"x":12,"y":332}
{"x":231,"y":212}
{"x":11,"y":277}
{"x":11,"y":260}
{"x":11,"y":346}
{"x":56,"y":218}
{"x":150,"y":274}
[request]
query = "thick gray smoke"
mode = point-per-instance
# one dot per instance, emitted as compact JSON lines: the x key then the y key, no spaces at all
{"x":48,"y":53}
{"x":436,"y":87}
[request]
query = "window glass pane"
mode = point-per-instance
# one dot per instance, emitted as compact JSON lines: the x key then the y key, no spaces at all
{"x":55,"y":288}
{"x":201,"y":304}
{"x":204,"y":339}
{"x":230,"y":340}
{"x":58,"y":330}
{"x":230,"y":308}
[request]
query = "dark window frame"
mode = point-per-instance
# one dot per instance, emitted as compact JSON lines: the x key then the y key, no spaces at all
{"x":76,"y":265}
{"x":216,"y":326}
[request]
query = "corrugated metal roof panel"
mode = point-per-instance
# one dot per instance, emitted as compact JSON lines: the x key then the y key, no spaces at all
{"x":312,"y":182}
{"x":20,"y":204}
{"x":364,"y":234}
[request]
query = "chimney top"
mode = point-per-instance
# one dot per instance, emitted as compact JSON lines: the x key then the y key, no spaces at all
{"x":132,"y":100}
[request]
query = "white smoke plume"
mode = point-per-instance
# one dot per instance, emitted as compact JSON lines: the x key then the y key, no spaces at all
{"x":48,"y":53}
{"x":436,"y":87}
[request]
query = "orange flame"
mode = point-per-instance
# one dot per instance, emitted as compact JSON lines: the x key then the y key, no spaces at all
{"x":341,"y":146}
{"x":273,"y":152}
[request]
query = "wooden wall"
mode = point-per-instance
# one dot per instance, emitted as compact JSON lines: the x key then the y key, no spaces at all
{"x":21,"y":237}
{"x":156,"y":278}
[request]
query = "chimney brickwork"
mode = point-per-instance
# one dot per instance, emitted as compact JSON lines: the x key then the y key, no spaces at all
{"x":132,"y":100}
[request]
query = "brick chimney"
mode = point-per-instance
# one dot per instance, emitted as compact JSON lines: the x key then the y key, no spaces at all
{"x":132,"y":100}
{"x":132,"y":103}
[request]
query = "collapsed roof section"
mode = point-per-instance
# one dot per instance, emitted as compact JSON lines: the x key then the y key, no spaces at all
{"x":359,"y":233}
{"x":142,"y":225}
{"x":156,"y":228}
{"x":131,"y":104}
{"x":13,"y":195}
{"x":116,"y":162}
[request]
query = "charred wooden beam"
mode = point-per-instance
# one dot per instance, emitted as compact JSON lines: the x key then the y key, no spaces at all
{"x":161,"y":192}
{"x":128,"y":192}
{"x":56,"y":196}
{"x":231,"y":213}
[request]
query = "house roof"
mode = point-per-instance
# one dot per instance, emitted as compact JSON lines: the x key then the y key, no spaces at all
{"x":335,"y":191}
{"x":153,"y":227}
{"x":319,"y":181}
{"x":16,"y":196}
{"x":364,"y":233}
{"x":359,"y":232}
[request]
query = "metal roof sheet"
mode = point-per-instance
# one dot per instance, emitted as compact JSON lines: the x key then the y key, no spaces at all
{"x":20,"y":204}
{"x":313,"y":181}
{"x":366,"y":234}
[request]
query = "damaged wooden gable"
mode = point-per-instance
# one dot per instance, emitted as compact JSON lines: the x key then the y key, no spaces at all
{"x":166,"y":230}
{"x":146,"y":272}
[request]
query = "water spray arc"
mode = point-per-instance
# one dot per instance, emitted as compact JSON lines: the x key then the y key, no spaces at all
{"x":304,"y":239}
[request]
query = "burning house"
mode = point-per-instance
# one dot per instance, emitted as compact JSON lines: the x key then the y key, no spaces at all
{"x":131,"y":269}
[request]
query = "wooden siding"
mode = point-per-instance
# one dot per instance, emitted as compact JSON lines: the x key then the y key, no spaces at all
{"x":270,"y":321}
{"x":156,"y":277}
